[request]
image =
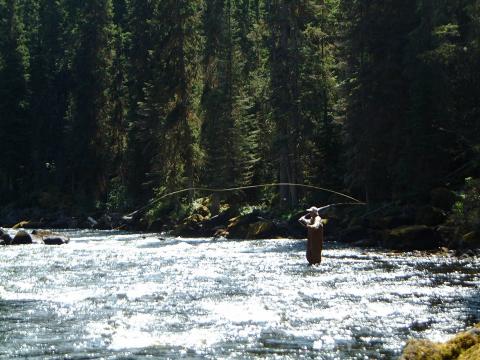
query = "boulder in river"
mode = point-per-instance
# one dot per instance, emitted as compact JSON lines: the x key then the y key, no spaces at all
{"x":22,"y":238}
{"x":464,"y":346}
{"x":407,"y":238}
{"x":48,"y":237}
{"x":56,"y":240}
{"x":5,"y":238}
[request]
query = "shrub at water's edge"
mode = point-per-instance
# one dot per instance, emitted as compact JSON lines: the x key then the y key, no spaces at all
{"x":465,"y":215}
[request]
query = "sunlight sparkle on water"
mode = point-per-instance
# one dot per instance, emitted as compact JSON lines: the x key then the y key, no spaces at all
{"x":112,"y":293}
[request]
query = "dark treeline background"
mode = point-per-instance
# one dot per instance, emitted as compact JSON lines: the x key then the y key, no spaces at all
{"x":108,"y":103}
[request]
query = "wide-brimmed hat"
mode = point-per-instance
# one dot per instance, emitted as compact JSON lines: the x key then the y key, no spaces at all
{"x":313,"y":209}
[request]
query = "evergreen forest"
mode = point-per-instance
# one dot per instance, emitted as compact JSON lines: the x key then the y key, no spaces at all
{"x":108,"y":104}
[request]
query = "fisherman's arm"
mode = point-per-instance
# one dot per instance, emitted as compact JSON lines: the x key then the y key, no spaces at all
{"x":303,"y":220}
{"x":317,"y":224}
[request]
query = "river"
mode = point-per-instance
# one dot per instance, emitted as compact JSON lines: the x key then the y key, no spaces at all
{"x":114,"y":295}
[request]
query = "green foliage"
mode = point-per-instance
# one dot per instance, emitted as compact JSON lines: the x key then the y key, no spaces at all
{"x":466,"y":212}
{"x":380,"y":97}
{"x":117,"y":197}
{"x":170,"y":209}
{"x":248,"y":209}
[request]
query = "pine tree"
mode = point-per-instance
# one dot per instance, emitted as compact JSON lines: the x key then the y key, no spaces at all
{"x":285,"y":22}
{"x":49,"y":86}
{"x":117,"y":128}
{"x":217,"y":100}
{"x":141,"y":137}
{"x":91,"y":101}
{"x":249,"y":86}
{"x":169,"y":95}
{"x":377,"y":90}
{"x":319,"y":99}
{"x":15,"y":132}
{"x":464,"y":80}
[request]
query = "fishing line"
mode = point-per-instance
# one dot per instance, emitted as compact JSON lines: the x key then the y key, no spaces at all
{"x":154,"y":201}
{"x":257,"y":186}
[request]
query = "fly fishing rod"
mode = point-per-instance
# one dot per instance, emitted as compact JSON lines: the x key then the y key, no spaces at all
{"x":221,"y":190}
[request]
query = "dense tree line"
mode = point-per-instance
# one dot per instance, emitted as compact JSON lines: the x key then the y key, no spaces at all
{"x":108,"y":103}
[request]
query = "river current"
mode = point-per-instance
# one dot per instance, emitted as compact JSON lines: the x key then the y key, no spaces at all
{"x":113,"y":295}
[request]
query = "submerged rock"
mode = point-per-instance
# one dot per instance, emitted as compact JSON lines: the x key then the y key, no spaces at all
{"x":56,"y":240}
{"x":22,"y":238}
{"x":464,"y":346}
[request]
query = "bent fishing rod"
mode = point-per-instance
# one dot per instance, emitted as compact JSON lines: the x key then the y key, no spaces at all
{"x":220,"y":190}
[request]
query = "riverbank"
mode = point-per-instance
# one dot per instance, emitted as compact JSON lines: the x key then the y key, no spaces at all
{"x":403,"y":227}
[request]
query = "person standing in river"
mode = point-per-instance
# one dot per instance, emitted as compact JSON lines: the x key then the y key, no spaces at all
{"x":313,"y":222}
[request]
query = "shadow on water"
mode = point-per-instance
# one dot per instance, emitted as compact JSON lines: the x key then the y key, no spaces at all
{"x":471,"y":311}
{"x":161,"y":241}
{"x":8,"y":308}
{"x":287,"y":247}
{"x":14,"y":313}
{"x":254,"y":245}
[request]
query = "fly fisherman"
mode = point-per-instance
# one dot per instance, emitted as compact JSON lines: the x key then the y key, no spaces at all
{"x":313,"y":222}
